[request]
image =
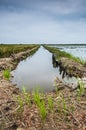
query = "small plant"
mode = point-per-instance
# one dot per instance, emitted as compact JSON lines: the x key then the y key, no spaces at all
{"x":81,"y":88}
{"x":40,"y":103}
{"x":72,"y":107}
{"x":26,"y":96}
{"x":20,"y":101}
{"x":42,"y":110}
{"x":6,"y":74}
{"x":36,"y":97}
{"x":64,"y":105}
{"x":50,"y":102}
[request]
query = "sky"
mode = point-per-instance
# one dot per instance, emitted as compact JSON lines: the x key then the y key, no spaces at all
{"x":43,"y":21}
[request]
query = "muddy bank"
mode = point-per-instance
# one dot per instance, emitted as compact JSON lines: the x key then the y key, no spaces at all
{"x":67,"y":64}
{"x":69,"y":67}
{"x":14,"y":59}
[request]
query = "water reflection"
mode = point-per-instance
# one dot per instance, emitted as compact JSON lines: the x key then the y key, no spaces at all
{"x":36,"y":71}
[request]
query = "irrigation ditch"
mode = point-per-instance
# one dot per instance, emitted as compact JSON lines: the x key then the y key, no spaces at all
{"x":60,"y":109}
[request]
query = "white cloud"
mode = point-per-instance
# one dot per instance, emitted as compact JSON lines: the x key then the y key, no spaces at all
{"x":30,"y":26}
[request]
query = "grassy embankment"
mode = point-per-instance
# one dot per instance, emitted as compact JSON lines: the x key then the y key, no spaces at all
{"x":7,"y":49}
{"x":59,"y":54}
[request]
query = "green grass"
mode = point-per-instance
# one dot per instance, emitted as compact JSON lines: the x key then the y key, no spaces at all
{"x":81,"y":89}
{"x":46,"y":104}
{"x":50,"y":103}
{"x":37,"y":97}
{"x":42,"y":110}
{"x":7,"y":49}
{"x":6,"y":74}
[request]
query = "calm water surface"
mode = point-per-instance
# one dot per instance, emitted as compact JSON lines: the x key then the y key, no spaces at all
{"x":36,"y":71}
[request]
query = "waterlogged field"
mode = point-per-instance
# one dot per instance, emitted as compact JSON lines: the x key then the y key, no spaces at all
{"x":76,"y":50}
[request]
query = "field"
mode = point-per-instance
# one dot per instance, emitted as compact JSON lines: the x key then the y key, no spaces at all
{"x":61,"y":109}
{"x":8,"y":49}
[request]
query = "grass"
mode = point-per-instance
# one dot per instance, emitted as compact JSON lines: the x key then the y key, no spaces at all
{"x":7,"y":49}
{"x":50,"y":103}
{"x":37,"y":97}
{"x":47,"y":105}
{"x":59,"y":54}
{"x":81,"y":89}
{"x":59,"y":107}
{"x":44,"y":104}
{"x":42,"y":110}
{"x":6,"y":74}
{"x":40,"y":102}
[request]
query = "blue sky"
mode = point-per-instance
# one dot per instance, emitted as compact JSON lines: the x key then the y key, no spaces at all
{"x":43,"y":21}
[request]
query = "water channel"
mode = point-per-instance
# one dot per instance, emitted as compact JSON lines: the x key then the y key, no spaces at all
{"x":36,"y":71}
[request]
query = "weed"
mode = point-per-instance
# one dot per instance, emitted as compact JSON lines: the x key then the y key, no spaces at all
{"x":6,"y":74}
{"x":72,"y":107}
{"x":64,"y":105}
{"x":81,"y":88}
{"x":42,"y":110}
{"x":20,"y":101}
{"x":36,"y":97}
{"x":26,"y":96}
{"x":50,"y":103}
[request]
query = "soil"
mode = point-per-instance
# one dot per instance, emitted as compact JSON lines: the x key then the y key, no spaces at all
{"x":71,"y":118}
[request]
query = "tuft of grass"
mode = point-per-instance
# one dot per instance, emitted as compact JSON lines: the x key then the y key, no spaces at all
{"x":50,"y":103}
{"x":37,"y":97}
{"x":26,"y":96}
{"x":20,"y":101}
{"x":6,"y":74}
{"x":81,"y":89}
{"x":43,"y":110}
{"x":64,"y":104}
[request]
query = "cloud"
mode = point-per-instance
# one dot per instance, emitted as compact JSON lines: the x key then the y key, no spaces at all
{"x":53,"y":6}
{"x":42,"y":21}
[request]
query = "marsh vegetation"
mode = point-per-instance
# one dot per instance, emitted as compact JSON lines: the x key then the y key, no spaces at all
{"x":7,"y":50}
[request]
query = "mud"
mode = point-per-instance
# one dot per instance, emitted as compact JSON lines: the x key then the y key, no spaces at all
{"x":69,"y":67}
